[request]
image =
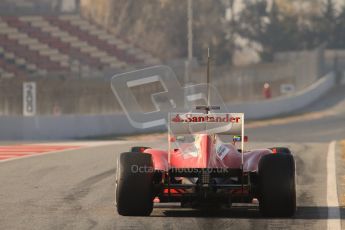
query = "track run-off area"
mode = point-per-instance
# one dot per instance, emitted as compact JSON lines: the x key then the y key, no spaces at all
{"x":71,"y":185}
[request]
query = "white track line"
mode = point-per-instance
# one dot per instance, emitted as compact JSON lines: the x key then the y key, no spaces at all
{"x":333,"y":222}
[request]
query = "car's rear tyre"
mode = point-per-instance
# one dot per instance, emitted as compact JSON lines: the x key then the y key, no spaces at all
{"x":277,"y":188}
{"x":134,"y":184}
{"x":138,"y":149}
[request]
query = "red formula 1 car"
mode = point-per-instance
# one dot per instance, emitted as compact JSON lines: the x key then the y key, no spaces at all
{"x":204,"y":167}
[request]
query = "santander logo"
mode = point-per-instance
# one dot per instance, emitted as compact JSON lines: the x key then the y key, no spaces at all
{"x":177,"y":118}
{"x":227,"y":118}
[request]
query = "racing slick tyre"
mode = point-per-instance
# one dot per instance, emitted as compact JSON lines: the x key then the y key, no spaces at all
{"x":277,"y":188}
{"x":138,"y":149}
{"x":134,"y":184}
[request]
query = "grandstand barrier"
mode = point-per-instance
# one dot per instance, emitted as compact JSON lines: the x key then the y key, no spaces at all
{"x":88,"y":126}
{"x":67,"y":43}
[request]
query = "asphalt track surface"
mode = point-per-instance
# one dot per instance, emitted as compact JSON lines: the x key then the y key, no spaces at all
{"x":74,"y":189}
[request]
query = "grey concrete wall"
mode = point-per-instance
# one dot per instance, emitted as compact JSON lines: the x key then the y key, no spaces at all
{"x":285,"y":104}
{"x":81,"y":126}
{"x":65,"y":127}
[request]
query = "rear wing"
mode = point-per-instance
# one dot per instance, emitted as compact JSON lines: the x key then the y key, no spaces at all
{"x":209,"y":123}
